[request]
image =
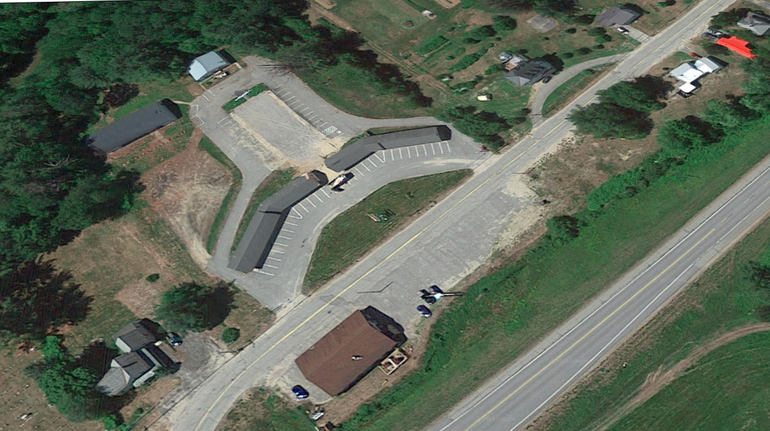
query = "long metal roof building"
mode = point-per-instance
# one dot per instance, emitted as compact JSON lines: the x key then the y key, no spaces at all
{"x":134,"y":126}
{"x":349,"y":156}
{"x":264,"y":227}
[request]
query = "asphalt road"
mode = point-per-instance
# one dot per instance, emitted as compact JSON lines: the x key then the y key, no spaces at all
{"x":448,"y":242}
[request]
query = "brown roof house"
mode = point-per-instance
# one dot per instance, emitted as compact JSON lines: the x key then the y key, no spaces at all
{"x":349,"y":351}
{"x":138,"y":363}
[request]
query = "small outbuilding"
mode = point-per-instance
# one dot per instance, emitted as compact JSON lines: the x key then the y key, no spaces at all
{"x":206,"y":65}
{"x":368,"y":335}
{"x":756,"y":23}
{"x":133,"y":126}
{"x":617,"y":15}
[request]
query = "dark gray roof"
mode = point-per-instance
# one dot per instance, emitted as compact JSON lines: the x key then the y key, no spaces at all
{"x":756,"y":23}
{"x":124,"y":371}
{"x":135,"y":336}
{"x":133,"y":126}
{"x":617,"y":16}
{"x":349,"y":156}
{"x":263,"y":228}
{"x":530,"y":73}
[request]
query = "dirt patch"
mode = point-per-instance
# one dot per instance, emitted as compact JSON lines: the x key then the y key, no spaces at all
{"x":661,"y":377}
{"x":473,"y":18}
{"x":448,"y":3}
{"x":149,"y":145}
{"x":187,"y":190}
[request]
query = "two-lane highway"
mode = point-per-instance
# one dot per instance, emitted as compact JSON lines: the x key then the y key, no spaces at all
{"x":514,"y":398}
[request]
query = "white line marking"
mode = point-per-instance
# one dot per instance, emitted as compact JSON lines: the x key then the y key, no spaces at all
{"x":204,"y":96}
{"x":370,"y":161}
{"x":287,"y":230}
{"x":263,"y":272}
{"x":284,"y":237}
{"x":271,"y":266}
{"x":291,"y":224}
{"x":391,"y":155}
{"x":303,"y":207}
{"x":327,"y":194}
{"x":316,"y":196}
{"x":321,"y":125}
{"x":400,"y":155}
{"x":384,"y":157}
{"x":274,"y":258}
{"x":433,"y":148}
{"x":310,"y":202}
{"x":424,"y":148}
{"x":440,"y":147}
{"x":448,"y":148}
{"x":281,"y":245}
{"x":298,"y":213}
{"x":408,"y":152}
{"x":290,"y":97}
{"x":367,"y":167}
{"x":312,"y":116}
{"x":305,"y":109}
{"x":279,"y":251}
{"x":226,"y":118}
{"x":359,"y":172}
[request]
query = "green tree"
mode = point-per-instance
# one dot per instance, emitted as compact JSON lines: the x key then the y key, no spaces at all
{"x":564,"y":227}
{"x":678,"y":136}
{"x":502,"y":23}
{"x":194,"y":307}
{"x":727,"y":116}
{"x":728,"y":18}
{"x":481,"y":125}
{"x":631,"y":95}
{"x":608,"y":120}
{"x":482,"y":32}
{"x":231,"y":335}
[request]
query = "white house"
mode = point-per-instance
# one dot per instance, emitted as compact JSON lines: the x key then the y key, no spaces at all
{"x":691,"y":71}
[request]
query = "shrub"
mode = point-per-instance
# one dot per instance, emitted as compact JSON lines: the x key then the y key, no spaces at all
{"x":430,"y":44}
{"x":449,"y":57}
{"x":571,"y":30}
{"x":567,"y":55}
{"x":584,"y":50}
{"x":231,"y":335}
{"x":482,"y":32}
{"x":470,"y":41}
{"x":503,"y":23}
{"x":468,"y":60}
{"x":152,"y":278}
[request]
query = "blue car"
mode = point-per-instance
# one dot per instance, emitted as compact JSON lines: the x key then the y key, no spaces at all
{"x":424,"y":311}
{"x":300,"y":392}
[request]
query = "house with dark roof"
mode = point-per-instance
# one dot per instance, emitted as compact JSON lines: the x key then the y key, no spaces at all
{"x":617,"y":15}
{"x":354,"y":153}
{"x":530,"y":72}
{"x":756,"y":23}
{"x":206,"y":65}
{"x":133,"y":126}
{"x":369,"y":335}
{"x":264,"y":227}
{"x":138,"y":363}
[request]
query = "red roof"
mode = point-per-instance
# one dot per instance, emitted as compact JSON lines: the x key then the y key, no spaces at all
{"x":736,"y":45}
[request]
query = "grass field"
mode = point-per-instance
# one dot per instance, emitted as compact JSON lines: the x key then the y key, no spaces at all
{"x":353,"y":234}
{"x":528,"y":298}
{"x":274,"y":182}
{"x":718,"y":392}
{"x":573,"y":87}
{"x":261,"y":410}
{"x":227,"y":203}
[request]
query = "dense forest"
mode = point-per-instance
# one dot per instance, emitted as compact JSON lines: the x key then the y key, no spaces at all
{"x":60,"y":63}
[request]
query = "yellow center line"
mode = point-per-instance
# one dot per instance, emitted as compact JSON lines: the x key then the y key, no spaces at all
{"x":587,"y":334}
{"x":374,"y":268}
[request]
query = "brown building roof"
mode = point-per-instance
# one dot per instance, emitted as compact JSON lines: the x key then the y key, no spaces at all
{"x":367,"y":333}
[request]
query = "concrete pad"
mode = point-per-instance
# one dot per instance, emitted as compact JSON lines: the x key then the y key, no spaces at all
{"x":541,"y":23}
{"x":282,"y":131}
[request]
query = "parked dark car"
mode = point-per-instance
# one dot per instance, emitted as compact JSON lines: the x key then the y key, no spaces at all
{"x":424,"y":311}
{"x":300,"y":393}
{"x":427,"y":296}
{"x":547,"y":79}
{"x":174,"y":339}
{"x":436,"y":290}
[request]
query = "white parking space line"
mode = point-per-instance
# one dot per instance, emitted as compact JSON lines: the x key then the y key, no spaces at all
{"x":321,"y":125}
{"x":309,"y":119}
{"x":289,"y":98}
{"x":400,"y":155}
{"x":298,"y":216}
{"x":367,"y":167}
{"x":448,"y":148}
{"x":204,"y":96}
{"x":311,"y":203}
{"x":281,"y":245}
{"x":327,"y":194}
{"x":303,"y":207}
{"x":266,"y":273}
{"x":384,"y":157}
{"x":440,"y":147}
{"x":305,"y":109}
{"x":433,"y":148}
{"x":392,"y":157}
{"x":274,"y":258}
{"x":279,"y":251}
{"x":286,"y":230}
{"x":284,"y":237}
{"x":291,"y":224}
{"x":319,"y":199}
{"x":370,"y":161}
{"x":359,"y":172}
{"x":226,"y":118}
{"x":424,"y":148}
{"x":271,"y":266}
{"x":409,"y":152}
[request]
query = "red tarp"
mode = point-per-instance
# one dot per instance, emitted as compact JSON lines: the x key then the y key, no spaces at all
{"x":736,"y":45}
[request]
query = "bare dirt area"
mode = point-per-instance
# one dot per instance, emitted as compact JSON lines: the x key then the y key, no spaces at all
{"x":187,"y":191}
{"x":662,"y":377}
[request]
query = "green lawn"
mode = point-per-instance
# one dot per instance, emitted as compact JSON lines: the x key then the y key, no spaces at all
{"x":274,"y":182}
{"x":722,"y":299}
{"x":352,"y":234}
{"x":574,"y":86}
{"x":507,"y":312}
{"x":728,"y":389}
{"x":264,"y":411}
{"x":206,"y":145}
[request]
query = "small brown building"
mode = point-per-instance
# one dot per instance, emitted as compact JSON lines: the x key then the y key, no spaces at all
{"x":349,"y":351}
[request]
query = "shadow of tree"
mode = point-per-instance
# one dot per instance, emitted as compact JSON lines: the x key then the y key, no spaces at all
{"x":37,"y":299}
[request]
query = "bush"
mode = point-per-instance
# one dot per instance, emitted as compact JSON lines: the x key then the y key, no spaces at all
{"x":449,"y":57}
{"x":468,"y":60}
{"x":567,"y":55}
{"x":430,"y":44}
{"x":492,"y":69}
{"x":470,"y":41}
{"x":603,"y":38}
{"x":482,"y":32}
{"x":571,"y":30}
{"x":231,"y":335}
{"x":503,"y":23}
{"x":608,"y":120}
{"x":152,"y":278}
{"x":194,"y":307}
{"x":584,"y":50}
{"x":596,"y":31}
